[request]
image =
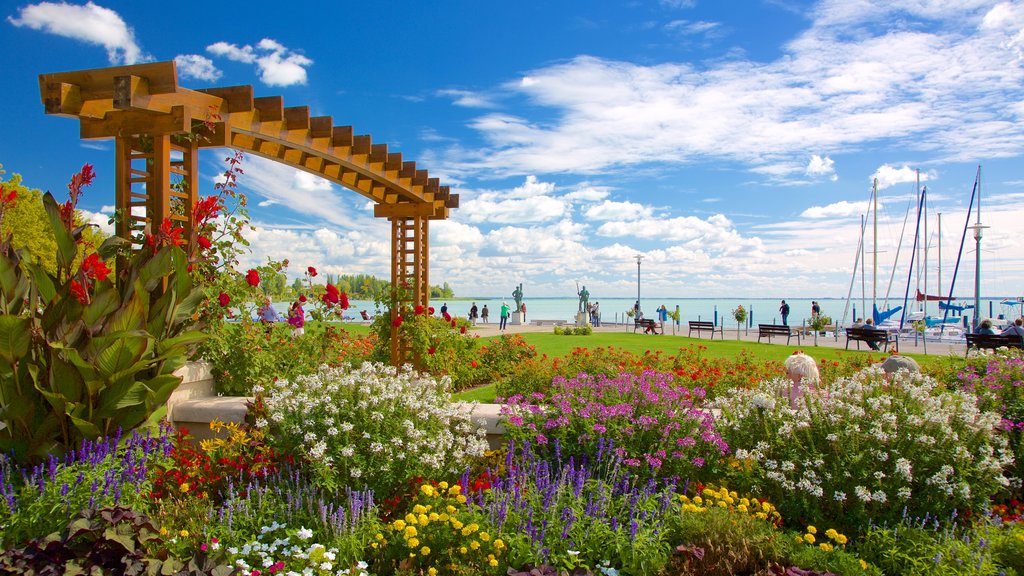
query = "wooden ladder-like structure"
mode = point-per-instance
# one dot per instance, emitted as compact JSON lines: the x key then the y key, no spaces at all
{"x":158,"y":128}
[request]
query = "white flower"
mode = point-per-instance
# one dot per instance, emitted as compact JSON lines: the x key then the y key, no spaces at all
{"x":326,"y":565}
{"x":304,"y":533}
{"x":356,"y":472}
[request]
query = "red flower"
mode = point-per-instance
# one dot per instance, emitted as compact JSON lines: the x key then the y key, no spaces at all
{"x":204,"y":243}
{"x":419,"y":309}
{"x":473,"y":364}
{"x":171,"y":234}
{"x":224,"y":299}
{"x":79,"y":292}
{"x":397,"y":321}
{"x":94,"y":267}
{"x":311,"y":271}
{"x":431,"y":350}
{"x":447,"y":316}
{"x":344,"y":301}
{"x":462,"y":330}
{"x":253,"y":278}
{"x":431,"y":310}
{"x":331,"y":296}
{"x":204,"y":210}
{"x":7,"y":200}
{"x":302,"y":298}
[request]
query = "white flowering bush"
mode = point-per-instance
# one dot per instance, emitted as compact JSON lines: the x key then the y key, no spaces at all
{"x":290,"y":552}
{"x":865,"y":448}
{"x":371,"y":427}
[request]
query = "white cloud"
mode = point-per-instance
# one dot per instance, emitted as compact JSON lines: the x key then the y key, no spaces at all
{"x":840,"y":209}
{"x":821,"y":166}
{"x":688,"y":27}
{"x":609,"y":210}
{"x":277,"y":64}
{"x":310,"y":182}
{"x":532,"y":187}
{"x":516,"y":211}
{"x":890,"y":176}
{"x":679,"y":4}
{"x":89,"y":23}
{"x":100,"y":219}
{"x":467,"y":99}
{"x":586,"y":193}
{"x":198,"y":67}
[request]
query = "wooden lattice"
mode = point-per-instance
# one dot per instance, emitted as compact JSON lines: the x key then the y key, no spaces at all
{"x":159,"y":127}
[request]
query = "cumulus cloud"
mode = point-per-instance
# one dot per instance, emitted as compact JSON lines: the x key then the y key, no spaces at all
{"x":609,"y":210}
{"x":821,"y":166}
{"x":198,"y":67}
{"x":277,"y":65}
{"x":467,"y":99}
{"x":515,"y":211}
{"x":89,"y":23}
{"x":836,"y":210}
{"x":889,"y":176}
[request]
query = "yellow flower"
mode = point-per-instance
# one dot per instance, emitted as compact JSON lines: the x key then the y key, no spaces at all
{"x":427,"y":490}
{"x":184,"y":533}
{"x":442,"y":518}
{"x":684,"y":498}
{"x":418,"y":509}
{"x":410,"y":518}
{"x":812,"y":530}
{"x":414,"y":542}
{"x":184,"y":487}
{"x":863,"y":565}
{"x":451,"y":509}
{"x":462,"y":550}
{"x":474,"y":545}
{"x":744,"y":502}
{"x":410,"y":532}
{"x":493,"y":562}
{"x":443,"y":485}
{"x":825,"y":547}
{"x":466,"y":531}
{"x":456,"y":524}
{"x":399,"y":525}
{"x":163,"y":531}
{"x":799,"y":540}
{"x":460,"y":499}
{"x":499,"y":544}
{"x":454,"y":490}
{"x":809,"y":538}
{"x":373,"y":545}
{"x":698,"y":500}
{"x":840,"y":539}
{"x":423,"y":520}
{"x":432,"y":571}
{"x":378,"y":536}
{"x":761,"y":516}
{"x":473,"y":527}
{"x":425,"y":550}
{"x":485,"y":536}
{"x":434,"y":517}
{"x":741,"y":508}
{"x":722,"y":504}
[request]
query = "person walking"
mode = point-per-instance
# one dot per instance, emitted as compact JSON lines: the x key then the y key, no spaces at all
{"x":484,"y":313}
{"x":504,"y":316}
{"x":784,"y":310}
{"x":523,"y":310}
{"x":473,"y":314}
{"x":297,"y":319}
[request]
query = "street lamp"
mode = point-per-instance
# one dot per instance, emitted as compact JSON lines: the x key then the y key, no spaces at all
{"x":639,"y":259}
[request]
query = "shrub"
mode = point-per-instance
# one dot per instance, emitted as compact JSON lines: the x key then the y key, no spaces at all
{"x":938,"y":546}
{"x":656,"y":426}
{"x":584,"y":330}
{"x":577,"y":513}
{"x":865,"y":448}
{"x":374,"y":427}
{"x":108,"y":472}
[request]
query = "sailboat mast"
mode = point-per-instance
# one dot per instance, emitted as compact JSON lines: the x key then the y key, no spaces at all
{"x":938,"y":283}
{"x":924,"y":201}
{"x":874,"y":248}
{"x":863,"y":279}
{"x":977,"y":257}
{"x":917,"y":233}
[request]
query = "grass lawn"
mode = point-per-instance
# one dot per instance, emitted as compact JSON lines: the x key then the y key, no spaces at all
{"x":558,"y":345}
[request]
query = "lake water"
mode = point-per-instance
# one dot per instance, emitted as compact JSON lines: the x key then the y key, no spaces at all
{"x":719,"y":310}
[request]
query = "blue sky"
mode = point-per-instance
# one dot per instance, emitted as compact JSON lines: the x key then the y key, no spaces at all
{"x":732,"y":144}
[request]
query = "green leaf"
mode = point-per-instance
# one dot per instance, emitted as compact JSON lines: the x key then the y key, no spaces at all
{"x":161,"y":387}
{"x":56,"y":400}
{"x":66,"y":379}
{"x":44,"y":284}
{"x":130,"y":316}
{"x":87,"y":429}
{"x":8,"y":278}
{"x":152,"y":273}
{"x":104,"y":302}
{"x":15,"y":337}
{"x":187,"y":339}
{"x":111,"y":247}
{"x":120,"y":352}
{"x":122,"y":395}
{"x":66,"y":247}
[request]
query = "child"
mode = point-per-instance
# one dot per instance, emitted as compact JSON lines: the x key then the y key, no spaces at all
{"x":297,"y":318}
{"x":802,"y":370}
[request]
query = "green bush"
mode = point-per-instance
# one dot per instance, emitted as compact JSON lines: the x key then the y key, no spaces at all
{"x":928,"y":547}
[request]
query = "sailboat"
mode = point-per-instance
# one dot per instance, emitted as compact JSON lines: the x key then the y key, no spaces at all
{"x":879,"y":316}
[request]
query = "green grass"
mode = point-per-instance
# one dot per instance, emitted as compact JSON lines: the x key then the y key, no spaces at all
{"x":559,"y":346}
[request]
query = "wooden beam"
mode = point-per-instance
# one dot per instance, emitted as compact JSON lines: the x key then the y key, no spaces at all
{"x":133,"y":93}
{"x":236,"y":98}
{"x":62,"y":99}
{"x":321,"y":127}
{"x":296,"y":118}
{"x":133,"y":122}
{"x":98,"y":83}
{"x":403,"y":210}
{"x":271,"y":108}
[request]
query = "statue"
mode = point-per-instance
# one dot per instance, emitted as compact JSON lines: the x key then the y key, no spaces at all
{"x":584,"y":300}
{"x":517,"y":294}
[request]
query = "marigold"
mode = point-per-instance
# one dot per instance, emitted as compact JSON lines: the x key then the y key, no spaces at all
{"x":809,"y":538}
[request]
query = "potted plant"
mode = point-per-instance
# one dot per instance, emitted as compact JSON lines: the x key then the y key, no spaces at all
{"x":740,"y":314}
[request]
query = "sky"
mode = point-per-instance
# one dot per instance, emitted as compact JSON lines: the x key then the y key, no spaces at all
{"x":732,"y":145}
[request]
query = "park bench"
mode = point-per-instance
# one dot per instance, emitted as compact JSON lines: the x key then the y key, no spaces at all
{"x":705,"y":327}
{"x":769,"y":330}
{"x":881,"y":337}
{"x":992,"y":341}
{"x":649,"y":325}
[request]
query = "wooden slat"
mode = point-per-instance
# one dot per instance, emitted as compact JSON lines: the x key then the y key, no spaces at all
{"x":132,"y":122}
{"x":271,"y":108}
{"x":235,"y":98}
{"x":341,"y":137}
{"x":98,"y":83}
{"x":296,"y":118}
{"x":321,"y":127}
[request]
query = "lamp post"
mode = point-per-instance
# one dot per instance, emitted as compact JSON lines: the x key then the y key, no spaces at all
{"x":639,"y":259}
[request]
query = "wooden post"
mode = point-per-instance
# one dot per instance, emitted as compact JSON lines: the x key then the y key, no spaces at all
{"x":409,"y":276}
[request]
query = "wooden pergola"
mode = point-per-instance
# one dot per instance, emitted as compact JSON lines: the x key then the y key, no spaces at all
{"x":158,"y":128}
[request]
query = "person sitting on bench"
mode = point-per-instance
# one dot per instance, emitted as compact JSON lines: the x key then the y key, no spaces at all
{"x":869,"y":324}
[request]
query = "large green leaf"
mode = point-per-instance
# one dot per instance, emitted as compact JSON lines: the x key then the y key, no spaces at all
{"x":15,"y":337}
{"x":44,"y":284}
{"x":66,"y":379}
{"x":152,"y":273}
{"x":161,"y":387}
{"x":112,"y":246}
{"x":121,"y":395}
{"x":104,"y":301}
{"x":182,"y":279}
{"x":86,"y":428}
{"x":130,"y":316}
{"x":188,"y":305}
{"x":56,"y":400}
{"x":8,"y":278}
{"x":66,"y":247}
{"x":120,"y":353}
{"x":185,"y":340}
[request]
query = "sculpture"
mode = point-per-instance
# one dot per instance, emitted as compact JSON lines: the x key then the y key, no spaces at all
{"x":517,"y":294}
{"x":584,"y":300}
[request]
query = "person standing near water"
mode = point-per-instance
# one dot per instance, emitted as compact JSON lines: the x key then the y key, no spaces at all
{"x":504,"y":316}
{"x":784,"y":310}
{"x":484,"y":313}
{"x":473,"y":314}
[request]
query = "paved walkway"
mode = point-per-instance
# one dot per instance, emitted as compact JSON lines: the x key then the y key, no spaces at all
{"x":750,"y":335}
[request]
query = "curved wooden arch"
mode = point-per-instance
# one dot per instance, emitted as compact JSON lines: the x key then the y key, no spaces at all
{"x":148,"y":115}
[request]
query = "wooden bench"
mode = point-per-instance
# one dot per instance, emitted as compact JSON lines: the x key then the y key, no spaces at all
{"x":882,"y":337}
{"x":649,"y":325}
{"x":992,"y":341}
{"x":705,"y":327}
{"x":769,"y":330}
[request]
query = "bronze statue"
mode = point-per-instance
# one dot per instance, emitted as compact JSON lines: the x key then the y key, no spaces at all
{"x":517,"y":295}
{"x":584,"y":300}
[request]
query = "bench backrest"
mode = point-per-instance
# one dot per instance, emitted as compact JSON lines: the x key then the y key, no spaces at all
{"x":702,"y":325}
{"x":774,"y":328}
{"x":866,"y":334}
{"x":992,"y":340}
